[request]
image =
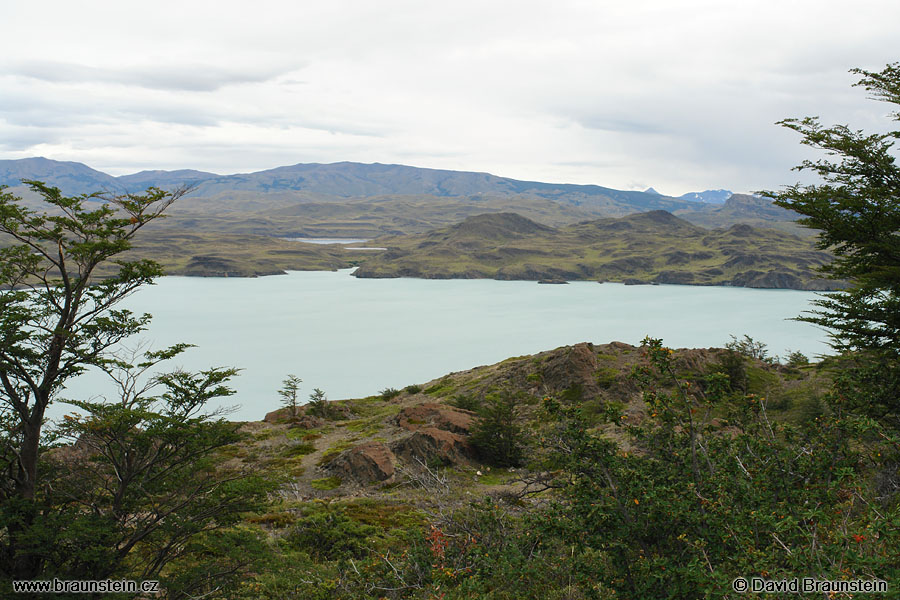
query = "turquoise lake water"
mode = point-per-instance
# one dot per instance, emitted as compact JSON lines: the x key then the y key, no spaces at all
{"x":353,"y":337}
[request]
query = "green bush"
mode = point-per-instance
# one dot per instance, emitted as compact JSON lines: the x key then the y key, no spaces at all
{"x":389,"y":393}
{"x":330,"y":534}
{"x":697,"y":507}
{"x":607,"y":376}
{"x":466,"y":402}
{"x":796,"y":359}
{"x":495,"y":436}
{"x":733,"y":365}
{"x":319,"y":406}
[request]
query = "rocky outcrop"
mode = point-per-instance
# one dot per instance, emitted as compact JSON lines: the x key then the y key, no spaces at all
{"x":431,"y":443}
{"x":575,"y":368}
{"x":300,"y":420}
{"x":440,"y":416}
{"x":365,"y":464}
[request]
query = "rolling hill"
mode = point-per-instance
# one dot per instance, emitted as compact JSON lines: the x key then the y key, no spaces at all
{"x":650,"y":247}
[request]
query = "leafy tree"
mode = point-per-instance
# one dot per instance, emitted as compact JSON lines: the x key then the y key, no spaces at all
{"x":290,"y":388}
{"x":856,"y":209}
{"x":142,"y":479}
{"x":58,"y":315}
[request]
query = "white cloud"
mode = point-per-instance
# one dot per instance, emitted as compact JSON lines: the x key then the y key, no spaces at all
{"x":681,"y":96}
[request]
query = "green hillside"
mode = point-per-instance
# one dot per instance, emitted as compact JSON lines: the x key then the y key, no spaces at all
{"x":651,"y":247}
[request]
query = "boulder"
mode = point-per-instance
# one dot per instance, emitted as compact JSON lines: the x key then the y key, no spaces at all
{"x":367,"y":463}
{"x":278,"y":416}
{"x":430,"y":443}
{"x":440,"y":416}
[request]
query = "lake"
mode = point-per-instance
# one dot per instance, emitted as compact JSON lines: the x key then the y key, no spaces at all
{"x":354,"y":337}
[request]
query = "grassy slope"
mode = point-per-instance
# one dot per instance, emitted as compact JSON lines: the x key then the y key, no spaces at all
{"x":592,"y":376}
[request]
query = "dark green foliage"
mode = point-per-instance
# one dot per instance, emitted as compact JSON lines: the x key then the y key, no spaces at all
{"x":60,"y":284}
{"x":318,"y":406}
{"x":215,"y":560}
{"x":329,"y":534}
{"x":695,"y":508}
{"x":139,"y":482}
{"x":733,"y":365}
{"x":796,"y":359}
{"x":412,"y":389}
{"x":389,"y":393}
{"x":466,"y":402}
{"x":56,"y":315}
{"x":856,"y":209}
{"x":572,"y":395}
{"x":496,"y":436}
{"x":301,"y":449}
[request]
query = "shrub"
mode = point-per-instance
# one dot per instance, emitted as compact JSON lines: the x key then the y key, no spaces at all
{"x":749,"y":348}
{"x":466,"y":402}
{"x":330,"y":535}
{"x":733,"y":365}
{"x":389,"y":393}
{"x":796,"y":359}
{"x":318,"y":406}
{"x":495,"y":436}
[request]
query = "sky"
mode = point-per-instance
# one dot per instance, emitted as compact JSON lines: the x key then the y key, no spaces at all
{"x":681,"y":96}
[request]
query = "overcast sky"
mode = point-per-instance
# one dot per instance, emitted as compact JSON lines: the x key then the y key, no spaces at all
{"x":678,"y":95}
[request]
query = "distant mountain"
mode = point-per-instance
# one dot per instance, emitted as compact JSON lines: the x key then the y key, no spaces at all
{"x":744,"y":208}
{"x":371,"y":199}
{"x":163,"y":179}
{"x":339,"y":181}
{"x":709,"y":196}
{"x":71,"y":177}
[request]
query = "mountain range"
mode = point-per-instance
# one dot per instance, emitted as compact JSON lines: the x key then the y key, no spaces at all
{"x":340,"y":181}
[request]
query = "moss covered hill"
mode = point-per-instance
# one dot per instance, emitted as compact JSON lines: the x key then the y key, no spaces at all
{"x":372,"y":481}
{"x":651,"y":247}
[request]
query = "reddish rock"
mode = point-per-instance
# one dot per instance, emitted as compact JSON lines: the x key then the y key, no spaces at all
{"x":278,"y":416}
{"x":367,"y":463}
{"x":430,"y":443}
{"x":576,"y":368}
{"x":440,"y":416}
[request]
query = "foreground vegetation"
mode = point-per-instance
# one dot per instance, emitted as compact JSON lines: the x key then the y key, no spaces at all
{"x":586,"y":472}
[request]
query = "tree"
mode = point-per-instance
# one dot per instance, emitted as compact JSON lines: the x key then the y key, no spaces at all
{"x":495,"y":435}
{"x":141,"y":479}
{"x":57,"y":314}
{"x":856,"y":209}
{"x":290,"y":388}
{"x":318,"y":404}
